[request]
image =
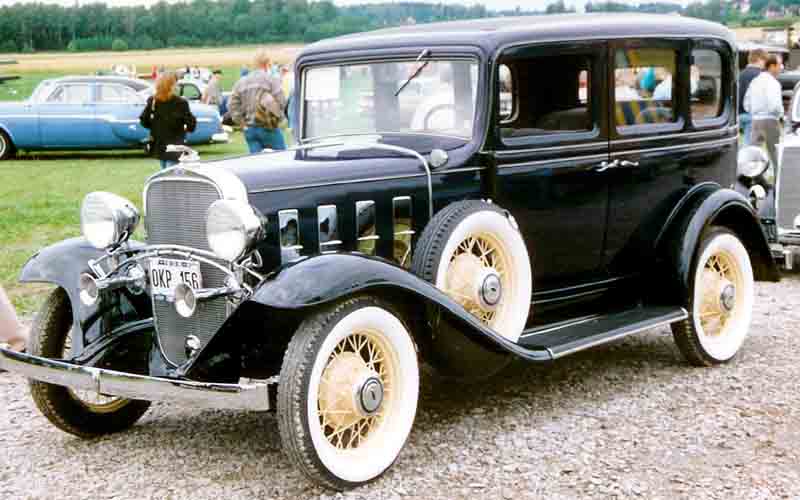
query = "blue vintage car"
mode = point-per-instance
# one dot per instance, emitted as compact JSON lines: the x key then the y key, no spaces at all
{"x":91,"y":112}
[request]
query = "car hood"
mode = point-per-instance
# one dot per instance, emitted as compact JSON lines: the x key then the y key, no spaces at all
{"x":285,"y":170}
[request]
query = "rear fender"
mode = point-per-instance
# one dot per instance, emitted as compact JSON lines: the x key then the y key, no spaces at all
{"x":287,"y":296}
{"x":679,"y":240}
{"x":61,"y":264}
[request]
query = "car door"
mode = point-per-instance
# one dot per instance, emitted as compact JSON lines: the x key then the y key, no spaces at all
{"x":658,"y":148}
{"x":67,"y":117}
{"x":552,"y":148}
{"x":118,"y":110}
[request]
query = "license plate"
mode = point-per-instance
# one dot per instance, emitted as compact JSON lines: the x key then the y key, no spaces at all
{"x":166,"y":274}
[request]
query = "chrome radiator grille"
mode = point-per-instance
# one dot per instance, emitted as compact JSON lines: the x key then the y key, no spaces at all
{"x":789,"y":186}
{"x":176,"y":215}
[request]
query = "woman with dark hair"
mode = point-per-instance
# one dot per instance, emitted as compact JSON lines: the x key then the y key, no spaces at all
{"x":169,"y":119}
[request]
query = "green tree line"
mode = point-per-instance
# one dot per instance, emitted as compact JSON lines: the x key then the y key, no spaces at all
{"x":33,"y":27}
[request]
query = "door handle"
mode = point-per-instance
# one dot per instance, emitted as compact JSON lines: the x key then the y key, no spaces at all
{"x":628,"y":163}
{"x":605,"y":165}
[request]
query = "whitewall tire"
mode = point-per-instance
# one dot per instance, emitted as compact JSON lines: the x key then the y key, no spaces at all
{"x":721,"y":300}
{"x":474,"y":252}
{"x":348,"y":392}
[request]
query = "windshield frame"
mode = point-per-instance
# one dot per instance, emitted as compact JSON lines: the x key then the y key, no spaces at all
{"x":437,"y":55}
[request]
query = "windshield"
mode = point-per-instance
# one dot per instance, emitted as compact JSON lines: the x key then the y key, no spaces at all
{"x":364,"y":99}
{"x":42,"y":91}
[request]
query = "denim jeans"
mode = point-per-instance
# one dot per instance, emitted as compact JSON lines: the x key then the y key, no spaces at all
{"x":167,"y":163}
{"x":746,"y":122}
{"x":259,"y":139}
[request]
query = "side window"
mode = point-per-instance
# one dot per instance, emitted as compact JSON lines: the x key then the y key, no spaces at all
{"x":548,"y":95}
{"x":643,"y":86}
{"x":110,"y":94}
{"x":706,"y":95}
{"x":190,"y":92}
{"x":70,"y":94}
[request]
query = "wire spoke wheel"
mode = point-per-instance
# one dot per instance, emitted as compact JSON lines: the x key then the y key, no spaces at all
{"x":477,"y":275}
{"x":348,"y":392}
{"x":721,"y":301}
{"x":356,"y":359}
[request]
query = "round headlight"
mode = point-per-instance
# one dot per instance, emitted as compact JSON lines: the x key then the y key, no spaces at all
{"x":752,"y":161}
{"x":107,"y":219}
{"x":233,"y":227}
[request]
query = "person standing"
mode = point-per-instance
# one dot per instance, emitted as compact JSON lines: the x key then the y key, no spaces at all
{"x":764,"y":101}
{"x":256,"y":104}
{"x":213,"y":94}
{"x":755,"y":65}
{"x":11,"y":330}
{"x":169,"y":119}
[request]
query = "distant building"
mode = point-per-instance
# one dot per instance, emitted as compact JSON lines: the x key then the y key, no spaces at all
{"x":741,"y":6}
{"x":774,"y":11}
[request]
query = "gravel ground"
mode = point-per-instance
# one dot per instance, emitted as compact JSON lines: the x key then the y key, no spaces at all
{"x":623,"y":421}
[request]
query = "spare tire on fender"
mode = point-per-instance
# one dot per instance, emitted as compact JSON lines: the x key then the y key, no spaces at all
{"x":473,"y":251}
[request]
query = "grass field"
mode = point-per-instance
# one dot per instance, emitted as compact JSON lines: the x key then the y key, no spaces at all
{"x":41,"y":193}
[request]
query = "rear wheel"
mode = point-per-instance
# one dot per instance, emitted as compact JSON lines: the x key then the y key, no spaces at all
{"x":721,"y":301}
{"x":348,"y":392}
{"x":82,"y":413}
{"x":7,"y":149}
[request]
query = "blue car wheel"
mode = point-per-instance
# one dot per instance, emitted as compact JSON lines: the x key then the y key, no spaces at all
{"x":7,"y":149}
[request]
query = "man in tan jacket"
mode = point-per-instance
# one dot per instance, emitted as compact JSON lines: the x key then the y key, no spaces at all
{"x":259,"y":87}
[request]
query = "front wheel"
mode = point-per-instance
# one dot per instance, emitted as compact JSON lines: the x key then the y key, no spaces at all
{"x":348,"y":392}
{"x":82,"y":413}
{"x":720,"y":303}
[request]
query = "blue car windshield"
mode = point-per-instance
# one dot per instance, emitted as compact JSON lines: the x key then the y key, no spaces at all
{"x":368,"y":99}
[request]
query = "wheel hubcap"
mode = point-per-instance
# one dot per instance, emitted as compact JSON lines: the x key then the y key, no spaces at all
{"x":727,"y":298}
{"x":370,"y":396}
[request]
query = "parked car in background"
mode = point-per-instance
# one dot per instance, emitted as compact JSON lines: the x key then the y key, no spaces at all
{"x":463,"y":235}
{"x":772,"y":183}
{"x":89,"y":113}
{"x":192,"y":91}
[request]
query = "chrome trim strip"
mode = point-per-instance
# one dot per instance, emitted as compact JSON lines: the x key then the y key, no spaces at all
{"x":702,"y":133}
{"x":687,"y":147}
{"x":606,"y":340}
{"x":228,"y":185}
{"x":548,"y":149}
{"x":253,"y":396}
{"x":551,"y":161}
{"x":363,"y":179}
{"x":575,"y":322}
{"x":335,"y":183}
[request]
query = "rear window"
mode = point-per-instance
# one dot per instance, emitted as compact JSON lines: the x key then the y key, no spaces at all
{"x":643,"y":86}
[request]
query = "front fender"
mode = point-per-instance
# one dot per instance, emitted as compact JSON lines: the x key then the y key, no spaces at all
{"x":285,"y":297}
{"x":328,"y":278}
{"x":713,"y":207}
{"x":61,"y":264}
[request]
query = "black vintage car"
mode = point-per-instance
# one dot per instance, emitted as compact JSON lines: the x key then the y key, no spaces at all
{"x":515,"y":188}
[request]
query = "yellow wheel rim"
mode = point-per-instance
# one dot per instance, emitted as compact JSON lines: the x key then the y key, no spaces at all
{"x":357,"y":360}
{"x":720,"y":293}
{"x":479,"y":258}
{"x":93,"y":401}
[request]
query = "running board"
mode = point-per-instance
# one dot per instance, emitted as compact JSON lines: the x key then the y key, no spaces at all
{"x":568,"y":337}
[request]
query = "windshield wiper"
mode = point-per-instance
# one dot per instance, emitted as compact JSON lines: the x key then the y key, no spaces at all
{"x":424,"y":53}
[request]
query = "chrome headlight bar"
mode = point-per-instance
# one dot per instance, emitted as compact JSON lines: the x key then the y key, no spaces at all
{"x":129,"y":272}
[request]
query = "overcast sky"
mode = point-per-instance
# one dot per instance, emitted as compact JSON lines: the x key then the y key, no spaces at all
{"x":490,"y":4}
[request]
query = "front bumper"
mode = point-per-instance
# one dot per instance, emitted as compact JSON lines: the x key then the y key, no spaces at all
{"x":252,"y":396}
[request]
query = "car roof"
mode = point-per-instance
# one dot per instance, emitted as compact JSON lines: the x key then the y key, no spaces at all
{"x":494,"y":33}
{"x":134,"y":83}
